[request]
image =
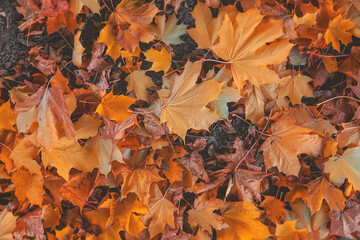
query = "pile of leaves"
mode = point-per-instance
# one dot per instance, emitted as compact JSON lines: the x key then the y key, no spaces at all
{"x":182,"y":119}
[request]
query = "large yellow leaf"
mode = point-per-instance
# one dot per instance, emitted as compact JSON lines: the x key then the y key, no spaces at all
{"x":139,"y":83}
{"x":244,"y":44}
{"x":242,"y":218}
{"x":47,"y":108}
{"x":69,"y":154}
{"x":345,"y":166}
{"x":206,"y":32}
{"x":186,"y":106}
{"x":161,"y":60}
{"x":7,"y":225}
{"x":288,"y":231}
{"x":320,"y":189}
{"x":287,"y":141}
{"x":115,"y":107}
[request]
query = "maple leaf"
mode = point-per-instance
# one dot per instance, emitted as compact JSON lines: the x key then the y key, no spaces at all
{"x":106,"y":151}
{"x":30,"y":225}
{"x":100,"y":218}
{"x":243,"y":44}
{"x":186,"y":106}
{"x":345,"y":223}
{"x":79,"y":187}
{"x":7,"y":225}
{"x":206,"y":32}
{"x":138,"y":181}
{"x":61,"y":19}
{"x":295,"y":87}
{"x":287,"y":141}
{"x":161,"y":60}
{"x":168,"y":31}
{"x":77,"y":5}
{"x":47,"y":108}
{"x":107,"y":36}
{"x":243,"y":224}
{"x":8,"y":117}
{"x":68,"y":154}
{"x":51,"y":217}
{"x":23,"y":155}
{"x":126,"y":213}
{"x":115,"y":107}
{"x":345,"y":166}
{"x":195,"y":165}
{"x":320,"y":189}
{"x":203,"y":214}
{"x":87,"y":126}
{"x":139,"y":83}
{"x":161,"y":212}
{"x":339,"y":30}
{"x":287,"y":230}
{"x":349,"y":136}
{"x":28,"y":186}
{"x":275,"y":209}
{"x":131,"y":23}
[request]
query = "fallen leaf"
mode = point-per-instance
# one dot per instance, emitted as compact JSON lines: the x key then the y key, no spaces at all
{"x":139,"y":83}
{"x":186,"y":106}
{"x":7,"y":225}
{"x":77,"y":5}
{"x":168,"y":31}
{"x":295,"y":87}
{"x":78,"y":50}
{"x":115,"y":107}
{"x":345,"y":166}
{"x":8,"y":117}
{"x":243,"y":44}
{"x":287,"y":231}
{"x":339,"y":30}
{"x":161,"y":60}
{"x":243,"y":224}
{"x":287,"y":141}
{"x":30,"y":225}
{"x":275,"y":209}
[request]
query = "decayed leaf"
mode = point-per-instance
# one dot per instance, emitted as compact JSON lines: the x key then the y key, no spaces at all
{"x":203,"y":214}
{"x":186,"y":106}
{"x":161,"y":60}
{"x":28,"y":186}
{"x":161,"y":212}
{"x":68,"y":154}
{"x":345,"y":223}
{"x":206,"y":32}
{"x":138,"y":181}
{"x":320,"y":189}
{"x":345,"y":166}
{"x":106,"y":151}
{"x":7,"y":225}
{"x":115,"y":107}
{"x":168,"y":31}
{"x":275,"y":209}
{"x":243,"y":44}
{"x":77,"y":5}
{"x":287,"y":141}
{"x":8,"y":117}
{"x":288,"y":231}
{"x":243,"y":224}
{"x":195,"y":165}
{"x":339,"y":30}
{"x":30,"y":225}
{"x":295,"y":87}
{"x":47,"y":108}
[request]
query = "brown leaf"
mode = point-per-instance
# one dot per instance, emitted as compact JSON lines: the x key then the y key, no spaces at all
{"x":30,"y":225}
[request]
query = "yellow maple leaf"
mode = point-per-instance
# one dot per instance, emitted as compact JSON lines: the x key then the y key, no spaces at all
{"x":243,"y":224}
{"x":295,"y":87}
{"x":8,"y":117}
{"x":115,"y":107}
{"x":345,"y":166}
{"x":206,"y":32}
{"x":186,"y":106}
{"x":139,"y":83}
{"x":161,"y":59}
{"x":339,"y":30}
{"x":320,"y":189}
{"x":77,"y":5}
{"x":244,"y":44}
{"x":275,"y":209}
{"x":287,"y":141}
{"x":7,"y":225}
{"x":288,"y":231}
